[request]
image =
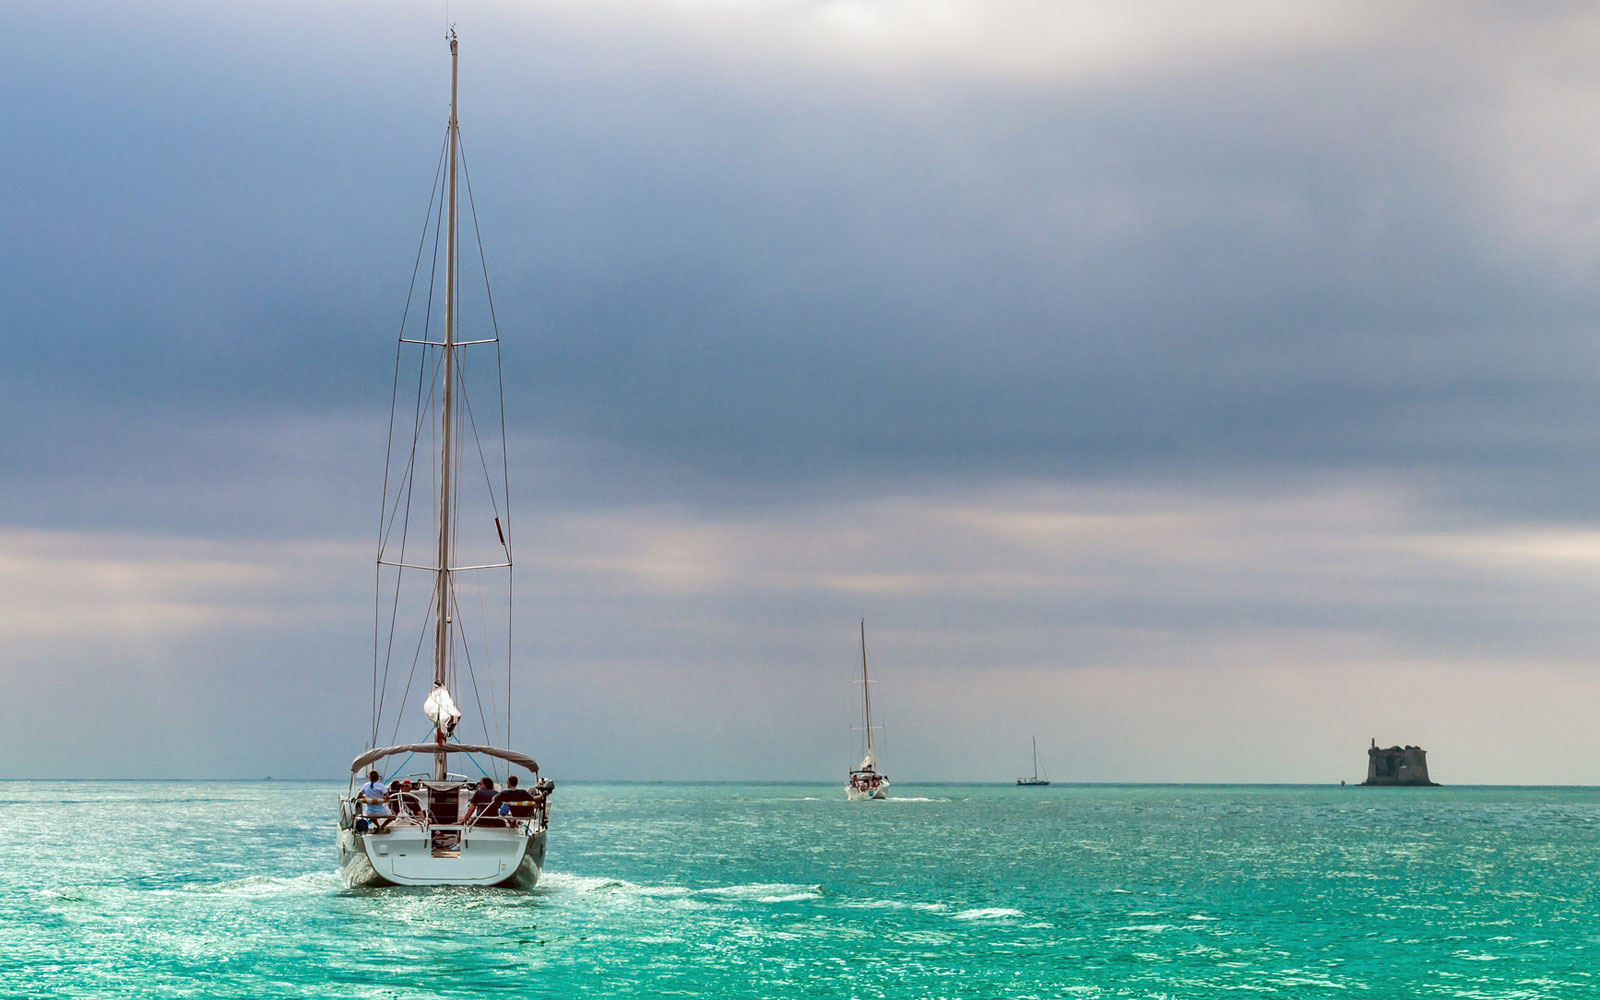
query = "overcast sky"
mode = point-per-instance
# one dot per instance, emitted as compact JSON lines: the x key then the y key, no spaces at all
{"x":1206,"y":389}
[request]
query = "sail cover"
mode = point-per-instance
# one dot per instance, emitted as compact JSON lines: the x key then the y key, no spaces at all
{"x":442,"y":710}
{"x":519,"y":759}
{"x":867,"y":762}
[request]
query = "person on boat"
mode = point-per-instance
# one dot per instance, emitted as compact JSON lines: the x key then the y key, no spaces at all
{"x":513,"y":802}
{"x":410,"y":797}
{"x":541,"y":799}
{"x":404,"y":801}
{"x":373,"y":797}
{"x":482,"y":799}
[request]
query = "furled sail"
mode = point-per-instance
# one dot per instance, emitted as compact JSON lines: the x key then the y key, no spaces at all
{"x":442,"y":710}
{"x":867,"y":762}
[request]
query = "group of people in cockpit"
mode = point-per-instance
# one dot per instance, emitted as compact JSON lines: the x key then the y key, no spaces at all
{"x":382,"y":805}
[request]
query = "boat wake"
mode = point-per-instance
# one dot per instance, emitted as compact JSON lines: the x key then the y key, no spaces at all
{"x":560,"y":883}
{"x":311,"y":883}
{"x":589,"y":891}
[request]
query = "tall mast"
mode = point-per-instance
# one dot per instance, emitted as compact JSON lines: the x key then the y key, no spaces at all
{"x":441,"y":640}
{"x":1036,"y":756}
{"x":866,"y":690}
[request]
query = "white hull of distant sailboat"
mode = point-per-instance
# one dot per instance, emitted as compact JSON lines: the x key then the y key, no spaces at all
{"x":854,"y":793}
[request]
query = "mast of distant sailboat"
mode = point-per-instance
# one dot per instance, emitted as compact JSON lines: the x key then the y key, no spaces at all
{"x":871,"y":759}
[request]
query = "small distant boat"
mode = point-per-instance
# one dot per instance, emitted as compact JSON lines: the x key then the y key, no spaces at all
{"x":866,"y":781}
{"x":1036,"y":779}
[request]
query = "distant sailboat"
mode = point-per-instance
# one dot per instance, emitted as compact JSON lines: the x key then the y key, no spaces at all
{"x":866,"y":781}
{"x":1035,"y":780}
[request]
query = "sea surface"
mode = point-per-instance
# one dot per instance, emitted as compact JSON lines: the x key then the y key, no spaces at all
{"x":206,"y":889}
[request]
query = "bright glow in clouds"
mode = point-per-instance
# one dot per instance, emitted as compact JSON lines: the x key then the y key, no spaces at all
{"x":58,"y":587}
{"x":1012,"y":38}
{"x":1141,"y":634}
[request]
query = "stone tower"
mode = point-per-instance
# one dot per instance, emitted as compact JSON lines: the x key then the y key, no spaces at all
{"x":1397,"y":766}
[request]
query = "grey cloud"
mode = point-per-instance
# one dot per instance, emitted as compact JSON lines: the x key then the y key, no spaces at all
{"x":1268,"y":259}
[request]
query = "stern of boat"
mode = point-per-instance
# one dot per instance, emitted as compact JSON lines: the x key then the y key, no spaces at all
{"x":413,"y":851}
{"x":857,"y":789}
{"x":442,"y":855}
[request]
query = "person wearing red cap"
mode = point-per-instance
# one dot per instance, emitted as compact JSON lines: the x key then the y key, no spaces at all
{"x":406,"y":802}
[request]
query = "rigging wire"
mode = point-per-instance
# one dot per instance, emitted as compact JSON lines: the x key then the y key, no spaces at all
{"x":401,"y":510}
{"x":488,"y":665}
{"x":416,"y":264}
{"x":416,"y":430}
{"x":416,"y":657}
{"x":472,"y":423}
{"x":394,"y":611}
{"x":483,"y":462}
{"x":505,"y":458}
{"x":467,"y":655}
{"x":394,"y":398}
{"x":416,"y":436}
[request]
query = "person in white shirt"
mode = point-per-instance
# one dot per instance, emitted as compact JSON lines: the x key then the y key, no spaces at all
{"x":373,"y":797}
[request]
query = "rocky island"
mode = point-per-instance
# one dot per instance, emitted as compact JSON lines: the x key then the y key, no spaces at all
{"x":1397,"y":766}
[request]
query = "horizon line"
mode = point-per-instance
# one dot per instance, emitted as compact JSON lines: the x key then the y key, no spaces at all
{"x":830,"y":781}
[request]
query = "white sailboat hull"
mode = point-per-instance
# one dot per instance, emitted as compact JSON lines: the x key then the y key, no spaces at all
{"x":406,"y":855}
{"x":879,"y":791}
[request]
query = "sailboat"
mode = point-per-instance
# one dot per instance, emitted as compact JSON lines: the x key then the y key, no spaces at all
{"x":1035,"y":780}
{"x":425,"y":828}
{"x":866,"y":781}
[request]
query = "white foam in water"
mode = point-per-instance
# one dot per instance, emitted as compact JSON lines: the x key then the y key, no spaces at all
{"x":599,"y":884}
{"x":268,"y":885}
{"x":1145,"y":928}
{"x":891,"y":904}
{"x":765,"y":892}
{"x":988,"y":913}
{"x":577,"y":883}
{"x":761,"y":892}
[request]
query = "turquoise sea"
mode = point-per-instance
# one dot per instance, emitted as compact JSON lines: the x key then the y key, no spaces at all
{"x":204,"y":889}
